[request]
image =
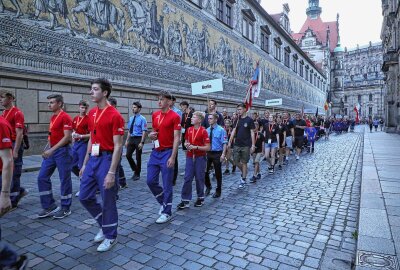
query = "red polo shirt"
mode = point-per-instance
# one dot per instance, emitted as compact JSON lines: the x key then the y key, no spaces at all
{"x":198,"y":137}
{"x":103,"y":125}
{"x":5,"y":137}
{"x":165,"y":124}
{"x":81,"y":125}
{"x":59,"y":123}
{"x":15,"y":117}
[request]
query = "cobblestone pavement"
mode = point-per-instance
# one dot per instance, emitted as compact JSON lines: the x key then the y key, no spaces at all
{"x":303,"y":217}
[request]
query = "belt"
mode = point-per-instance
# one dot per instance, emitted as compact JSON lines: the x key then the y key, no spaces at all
{"x":162,"y":150}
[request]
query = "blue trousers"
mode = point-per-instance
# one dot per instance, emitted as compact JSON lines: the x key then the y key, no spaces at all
{"x":158,"y":163}
{"x":195,"y":168}
{"x":16,"y":190}
{"x":92,"y":180}
{"x":78,"y":156}
{"x":62,"y":160}
{"x":7,"y":256}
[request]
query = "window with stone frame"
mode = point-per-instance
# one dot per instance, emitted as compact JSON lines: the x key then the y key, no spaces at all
{"x":370,"y":97}
{"x":302,"y":68}
{"x":277,"y":49}
{"x":196,"y":2}
{"x":248,"y":21}
{"x":370,"y":111}
{"x":224,"y":11}
{"x":345,"y":98}
{"x":265,"y":38}
{"x":287,"y":56}
{"x":294,"y":62}
{"x":311,"y":76}
{"x":306,"y":73}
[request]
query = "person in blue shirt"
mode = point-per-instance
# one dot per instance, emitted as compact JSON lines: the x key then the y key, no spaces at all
{"x":137,"y":127}
{"x":311,"y":133}
{"x":217,"y":153}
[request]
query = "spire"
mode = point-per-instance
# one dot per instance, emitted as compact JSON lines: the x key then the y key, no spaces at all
{"x":338,"y":45}
{"x":313,"y":10}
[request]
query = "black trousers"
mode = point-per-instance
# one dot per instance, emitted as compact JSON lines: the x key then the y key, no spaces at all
{"x":133,"y":144}
{"x":214,"y":157}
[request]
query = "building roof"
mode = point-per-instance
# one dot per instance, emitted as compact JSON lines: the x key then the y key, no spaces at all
{"x":320,"y":29}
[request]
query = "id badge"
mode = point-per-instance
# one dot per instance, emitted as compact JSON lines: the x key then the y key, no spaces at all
{"x":156,"y":144}
{"x":183,"y":130}
{"x":95,"y":149}
{"x":269,"y":141}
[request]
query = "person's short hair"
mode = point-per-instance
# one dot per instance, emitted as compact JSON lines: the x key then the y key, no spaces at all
{"x":7,"y":94}
{"x":173,"y":98}
{"x":184,"y":103}
{"x":57,"y":97}
{"x":214,"y":115}
{"x":112,"y":101}
{"x":165,"y":94}
{"x":199,"y":115}
{"x":84,"y":103}
{"x":104,"y":84}
{"x":213,"y":100}
{"x":241,"y":105}
{"x":137,"y":104}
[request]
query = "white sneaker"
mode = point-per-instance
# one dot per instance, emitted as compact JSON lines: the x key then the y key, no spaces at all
{"x":77,"y":194}
{"x":161,"y":209}
{"x":163,"y":219}
{"x":297,"y":157}
{"x":106,"y":245}
{"x":99,"y":237}
{"x":182,"y":174}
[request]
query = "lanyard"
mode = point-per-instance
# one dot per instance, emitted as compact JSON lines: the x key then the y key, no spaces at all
{"x":53,"y":122}
{"x":270,"y":128}
{"x":194,"y":136}
{"x":257,"y":136}
{"x":161,"y":120}
{"x":186,"y":117}
{"x":96,"y":120}
{"x":6,"y":115}
{"x":79,"y":122}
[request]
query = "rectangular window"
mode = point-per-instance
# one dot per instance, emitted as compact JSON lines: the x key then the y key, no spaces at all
{"x":224,"y":12}
{"x":345,"y":98}
{"x":265,"y":42}
{"x":287,"y":59}
{"x":228,"y":15}
{"x":370,"y":111}
{"x":277,"y":51}
{"x":359,"y":98}
{"x":220,"y":10}
{"x":306,"y":77}
{"x":295,"y":65}
{"x":301,"y":70}
{"x":247,"y":28}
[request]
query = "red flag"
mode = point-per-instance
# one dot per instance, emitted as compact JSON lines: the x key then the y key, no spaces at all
{"x":248,"y":101}
{"x":253,"y":90}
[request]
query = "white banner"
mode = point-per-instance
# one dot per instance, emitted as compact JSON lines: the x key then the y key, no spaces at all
{"x":205,"y":87}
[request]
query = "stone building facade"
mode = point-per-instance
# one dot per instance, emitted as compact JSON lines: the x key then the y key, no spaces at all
{"x":145,"y":46}
{"x":363,"y":81}
{"x":390,"y":35}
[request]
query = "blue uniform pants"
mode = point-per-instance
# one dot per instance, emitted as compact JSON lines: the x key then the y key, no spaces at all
{"x":16,"y":190}
{"x":194,"y":168}
{"x":92,"y":180}
{"x":8,"y":257}
{"x":78,"y":156}
{"x":158,"y":163}
{"x":62,"y":160}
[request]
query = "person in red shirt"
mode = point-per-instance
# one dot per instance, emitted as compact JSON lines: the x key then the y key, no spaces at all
{"x":8,"y":257}
{"x":57,"y":155}
{"x":197,"y":143}
{"x":80,"y":137}
{"x":99,"y":170}
{"x":15,"y":118}
{"x":165,"y":136}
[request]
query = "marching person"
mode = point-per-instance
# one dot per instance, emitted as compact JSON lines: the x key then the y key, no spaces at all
{"x":282,"y":131}
{"x":197,"y":143}
{"x":57,"y":155}
{"x":137,"y":126}
{"x":287,"y":122}
{"x":8,"y":257}
{"x":212,"y":108}
{"x":259,"y":152}
{"x":80,"y":136}
{"x":228,"y":157}
{"x":165,"y":136}
{"x":271,"y":134}
{"x":100,"y":167}
{"x":186,"y":122}
{"x":121,"y":174}
{"x":299,"y":127}
{"x":244,"y":145}
{"x":216,"y":155}
{"x":15,"y":117}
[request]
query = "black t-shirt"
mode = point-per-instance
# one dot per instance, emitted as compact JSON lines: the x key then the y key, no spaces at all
{"x":270,"y":131}
{"x":327,"y":124}
{"x":288,"y":127}
{"x":186,"y":121}
{"x":282,"y":130}
{"x":259,"y":140}
{"x":243,"y":131}
{"x":299,"y":132}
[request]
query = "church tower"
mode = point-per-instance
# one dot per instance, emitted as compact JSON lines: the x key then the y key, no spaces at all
{"x":314,"y":10}
{"x":338,"y":73}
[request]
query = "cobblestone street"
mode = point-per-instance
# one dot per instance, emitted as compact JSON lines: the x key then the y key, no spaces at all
{"x":303,"y":217}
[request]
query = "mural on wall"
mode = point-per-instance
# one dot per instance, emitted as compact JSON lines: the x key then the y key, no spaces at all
{"x":159,"y":29}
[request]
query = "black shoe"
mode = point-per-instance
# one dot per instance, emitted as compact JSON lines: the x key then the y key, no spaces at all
{"x":182,"y":205}
{"x":271,"y":170}
{"x":216,"y":195}
{"x":226,"y":172}
{"x":62,"y":213}
{"x":136,"y":178}
{"x":280,"y":167}
{"x":121,"y":187}
{"x":259,"y":176}
{"x":199,"y":203}
{"x":253,"y":179}
{"x":207,"y":192}
{"x":49,"y":211}
{"x":233,"y":169}
{"x":21,"y":263}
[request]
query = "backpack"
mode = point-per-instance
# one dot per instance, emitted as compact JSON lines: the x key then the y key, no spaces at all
{"x":25,"y":138}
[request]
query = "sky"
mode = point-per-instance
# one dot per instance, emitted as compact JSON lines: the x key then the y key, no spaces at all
{"x":360,"y":21}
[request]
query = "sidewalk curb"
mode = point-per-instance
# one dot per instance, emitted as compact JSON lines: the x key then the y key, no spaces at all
{"x":375,"y":243}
